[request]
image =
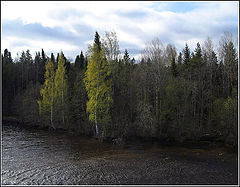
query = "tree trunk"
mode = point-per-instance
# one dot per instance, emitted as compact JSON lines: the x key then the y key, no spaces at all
{"x":52,"y":104}
{"x":62,"y":98}
{"x":22,"y":76}
{"x":52,"y":116}
{"x":156,"y":99}
{"x":52,"y":111}
{"x":36,"y":72}
{"x":62,"y":108}
{"x":96,"y":122}
{"x":179,"y":123}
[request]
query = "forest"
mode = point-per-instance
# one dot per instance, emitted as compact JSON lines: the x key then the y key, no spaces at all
{"x":169,"y":96}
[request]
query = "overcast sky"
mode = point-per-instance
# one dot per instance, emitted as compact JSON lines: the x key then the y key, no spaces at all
{"x":70,"y":26}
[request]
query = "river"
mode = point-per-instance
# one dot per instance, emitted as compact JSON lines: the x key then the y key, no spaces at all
{"x":33,"y":156}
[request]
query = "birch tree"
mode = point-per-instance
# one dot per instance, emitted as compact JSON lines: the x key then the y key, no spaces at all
{"x":61,"y":87}
{"x":98,"y":85}
{"x":155,"y":53}
{"x":47,"y":93}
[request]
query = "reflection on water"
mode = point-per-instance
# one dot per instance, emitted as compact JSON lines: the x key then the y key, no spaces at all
{"x":34,"y":156}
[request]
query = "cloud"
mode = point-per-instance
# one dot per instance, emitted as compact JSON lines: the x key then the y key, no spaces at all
{"x":35,"y":30}
{"x":135,"y":14}
{"x":71,"y":26}
{"x":34,"y":35}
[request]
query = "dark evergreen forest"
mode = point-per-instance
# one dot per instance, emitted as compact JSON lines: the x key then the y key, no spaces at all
{"x":170,"y":96}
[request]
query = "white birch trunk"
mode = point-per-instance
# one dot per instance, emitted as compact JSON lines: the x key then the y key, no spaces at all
{"x":52,"y":105}
{"x":62,"y":97}
{"x":62,"y":105}
{"x":52,"y":116}
{"x":96,"y":122}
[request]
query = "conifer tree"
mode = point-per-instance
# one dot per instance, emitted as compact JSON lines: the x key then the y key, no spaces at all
{"x":179,"y":63}
{"x":77,"y":62}
{"x":186,"y":53}
{"x":180,"y":59}
{"x":126,"y":57}
{"x":231,"y":64}
{"x":53,"y":61}
{"x":174,"y":67}
{"x":42,"y":66}
{"x":81,"y":60}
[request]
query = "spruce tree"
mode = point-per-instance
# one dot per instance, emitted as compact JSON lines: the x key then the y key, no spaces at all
{"x":174,"y":68}
{"x":53,"y":61}
{"x":231,"y":64}
{"x":77,"y":63}
{"x":81,"y":60}
{"x":97,"y":42}
{"x":179,"y":63}
{"x":42,"y":69}
{"x":186,"y":53}
{"x":126,"y":57}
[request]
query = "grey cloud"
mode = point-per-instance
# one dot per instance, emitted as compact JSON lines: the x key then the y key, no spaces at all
{"x":185,"y":30}
{"x":37,"y":31}
{"x":86,"y":32}
{"x":177,"y":29}
{"x":34,"y":30}
{"x":135,"y":14}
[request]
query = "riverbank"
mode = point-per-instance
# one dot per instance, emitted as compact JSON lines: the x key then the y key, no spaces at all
{"x":209,"y":146}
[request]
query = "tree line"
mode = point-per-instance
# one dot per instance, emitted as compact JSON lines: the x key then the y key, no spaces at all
{"x":166,"y":95}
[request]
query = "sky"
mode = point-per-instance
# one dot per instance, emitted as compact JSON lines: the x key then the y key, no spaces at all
{"x":70,"y":26}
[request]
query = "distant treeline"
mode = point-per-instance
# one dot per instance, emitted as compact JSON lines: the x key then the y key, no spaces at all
{"x":169,"y":96}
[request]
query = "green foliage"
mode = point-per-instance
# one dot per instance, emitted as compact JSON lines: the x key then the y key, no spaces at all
{"x":121,"y":110}
{"x":8,"y":81}
{"x":126,"y":57}
{"x":187,"y":57}
{"x":52,"y":58}
{"x":225,"y":119}
{"x":80,"y":62}
{"x":61,"y":88}
{"x":98,"y":84}
{"x":47,"y":94}
{"x":25,"y":105}
{"x":174,"y":68}
{"x":196,"y":61}
{"x":77,"y":114}
{"x":173,"y":112}
{"x":41,"y":67}
{"x":97,"y":42}
{"x":231,"y":62}
{"x":162,"y":96}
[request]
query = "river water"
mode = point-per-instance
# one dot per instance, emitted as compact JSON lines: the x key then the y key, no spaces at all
{"x":33,"y":156}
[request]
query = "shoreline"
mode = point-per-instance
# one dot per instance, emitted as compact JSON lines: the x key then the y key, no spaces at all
{"x":188,"y":148}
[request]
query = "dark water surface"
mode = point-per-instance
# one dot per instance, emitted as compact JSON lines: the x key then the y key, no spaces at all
{"x":35,"y":156}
